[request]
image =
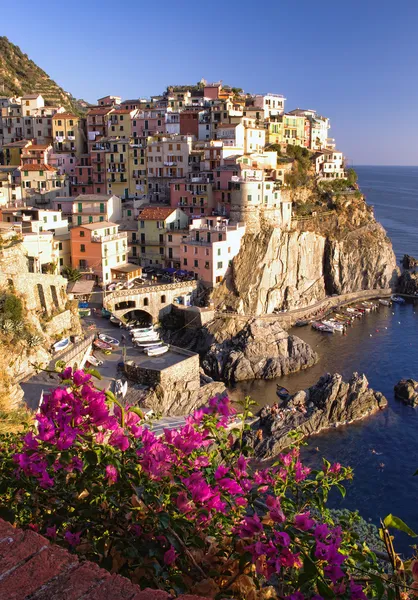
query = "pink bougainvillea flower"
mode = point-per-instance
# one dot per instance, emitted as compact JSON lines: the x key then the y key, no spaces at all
{"x":356,"y":591}
{"x":73,"y":538}
{"x":45,"y":481}
{"x":249,"y":527}
{"x":304,"y":522}
{"x":221,"y":471}
{"x":170,"y":556}
{"x":80,"y":377}
{"x":30,"y":442}
{"x":119,"y":439}
{"x":112,"y":474}
{"x":66,"y":373}
{"x":51,"y":532}
{"x":335,"y":468}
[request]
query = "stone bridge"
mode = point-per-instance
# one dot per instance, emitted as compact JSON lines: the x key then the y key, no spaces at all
{"x":154,"y":300}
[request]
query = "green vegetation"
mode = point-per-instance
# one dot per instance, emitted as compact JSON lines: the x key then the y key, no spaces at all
{"x":351,"y":177}
{"x":302,"y":163}
{"x":11,"y":309}
{"x":71,"y":274}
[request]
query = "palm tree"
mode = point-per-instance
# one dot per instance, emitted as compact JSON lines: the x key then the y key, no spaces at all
{"x":71,"y":274}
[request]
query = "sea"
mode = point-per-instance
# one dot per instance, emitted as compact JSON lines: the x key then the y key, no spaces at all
{"x":382,"y":449}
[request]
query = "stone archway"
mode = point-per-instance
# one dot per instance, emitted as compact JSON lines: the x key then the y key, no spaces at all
{"x":144,"y":318}
{"x":125,"y":304}
{"x":41,"y":296}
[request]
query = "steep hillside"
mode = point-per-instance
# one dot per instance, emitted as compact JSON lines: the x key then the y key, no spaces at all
{"x":20,"y":75}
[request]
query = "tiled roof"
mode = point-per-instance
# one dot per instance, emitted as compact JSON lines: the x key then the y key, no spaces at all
{"x":41,"y":167}
{"x":30,"y":96}
{"x":93,"y":197}
{"x":64,"y":115}
{"x":157,"y":213}
{"x":100,"y":225}
{"x":31,"y":566}
{"x":17,"y":144}
{"x":99,"y":111}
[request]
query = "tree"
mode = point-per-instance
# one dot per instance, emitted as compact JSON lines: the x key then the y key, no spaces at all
{"x":71,"y":274}
{"x":351,"y":177}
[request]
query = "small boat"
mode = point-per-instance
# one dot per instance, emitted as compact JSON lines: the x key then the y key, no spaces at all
{"x":143,"y":345}
{"x":322,"y":327}
{"x":61,"y":345}
{"x":334,"y":325}
{"x":115,"y":321}
{"x":101,"y":345}
{"x":83,"y":305}
{"x":134,"y":330}
{"x":138,"y":334}
{"x":106,"y":313}
{"x":151,"y":337}
{"x":301,"y":323}
{"x":384,"y":302}
{"x":84,"y":312}
{"x":108,"y":339}
{"x":398,"y":299}
{"x":92,"y":360}
{"x":282,"y":392}
{"x":156,"y":351}
{"x":121,"y":387}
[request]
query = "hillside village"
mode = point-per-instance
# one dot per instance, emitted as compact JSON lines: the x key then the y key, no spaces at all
{"x":171,"y":182}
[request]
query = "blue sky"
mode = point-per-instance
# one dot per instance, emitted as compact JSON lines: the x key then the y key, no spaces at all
{"x":353,"y":61}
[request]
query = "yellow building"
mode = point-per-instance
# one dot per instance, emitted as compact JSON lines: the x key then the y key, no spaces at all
{"x":120,"y":123}
{"x":294,"y":129}
{"x":42,"y":182}
{"x":68,"y":132}
{"x":274,"y":131}
{"x":13,"y":152}
{"x":117,"y":166}
{"x":138,"y":183}
{"x":153,"y":225}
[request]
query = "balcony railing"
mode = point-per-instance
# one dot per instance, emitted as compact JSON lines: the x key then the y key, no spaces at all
{"x":100,"y":239}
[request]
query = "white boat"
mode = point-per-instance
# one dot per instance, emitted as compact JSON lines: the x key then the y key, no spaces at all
{"x":384,"y":302}
{"x":334,"y":325}
{"x":96,"y":362}
{"x":141,"y":329}
{"x":121,"y":387}
{"x":108,"y":339}
{"x":151,"y":337}
{"x":139,"y":334}
{"x":128,"y":285}
{"x":143,"y":345}
{"x":319,"y":326}
{"x":156,"y":351}
{"x":397,"y":299}
{"x":115,"y":320}
{"x":61,"y":345}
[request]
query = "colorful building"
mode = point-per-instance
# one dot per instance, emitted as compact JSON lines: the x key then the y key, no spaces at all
{"x":68,"y":131}
{"x":42,"y":183}
{"x":210,"y":247}
{"x":89,"y":208}
{"x":153,"y":224}
{"x":98,"y":250}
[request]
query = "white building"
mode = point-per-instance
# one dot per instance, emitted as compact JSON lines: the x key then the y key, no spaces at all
{"x":329,"y":164}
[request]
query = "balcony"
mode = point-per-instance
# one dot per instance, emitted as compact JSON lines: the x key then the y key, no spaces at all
{"x":100,"y":239}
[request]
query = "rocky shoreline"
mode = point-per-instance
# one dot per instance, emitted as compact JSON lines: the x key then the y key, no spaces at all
{"x":329,"y":403}
{"x":406,"y":390}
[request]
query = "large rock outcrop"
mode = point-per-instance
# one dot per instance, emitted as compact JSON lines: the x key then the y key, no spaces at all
{"x":408,"y":283}
{"x":258,"y":349}
{"x":406,"y":390}
{"x":409,"y":262}
{"x":328,"y":403}
{"x":344,"y":251}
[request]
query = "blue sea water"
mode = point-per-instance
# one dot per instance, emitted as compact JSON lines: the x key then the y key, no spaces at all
{"x":384,"y":346}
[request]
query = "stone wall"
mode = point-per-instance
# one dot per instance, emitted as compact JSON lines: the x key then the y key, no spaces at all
{"x":187,"y":370}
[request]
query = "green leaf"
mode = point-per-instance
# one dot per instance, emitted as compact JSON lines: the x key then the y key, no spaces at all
{"x":324,"y":589}
{"x":397,"y":523}
{"x":164,"y":519}
{"x":309,"y":566}
{"x":342,"y":489}
{"x":93,"y":372}
{"x":380,"y":588}
{"x":137,"y":411}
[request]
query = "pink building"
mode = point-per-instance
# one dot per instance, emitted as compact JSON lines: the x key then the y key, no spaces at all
{"x":65,"y":162}
{"x":222,"y":177}
{"x":209,"y":248}
{"x":194,"y":195}
{"x":148,"y":122}
{"x":81,"y":182}
{"x":212,"y":90}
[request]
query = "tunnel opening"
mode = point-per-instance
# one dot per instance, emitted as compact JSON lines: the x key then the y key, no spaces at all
{"x":141,"y":317}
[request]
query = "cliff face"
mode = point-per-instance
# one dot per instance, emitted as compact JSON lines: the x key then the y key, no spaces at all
{"x":344,"y":251}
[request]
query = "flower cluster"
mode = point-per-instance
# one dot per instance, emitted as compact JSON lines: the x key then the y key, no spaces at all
{"x":170,"y":509}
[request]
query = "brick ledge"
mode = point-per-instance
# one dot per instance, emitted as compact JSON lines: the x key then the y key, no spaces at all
{"x":31,"y":568}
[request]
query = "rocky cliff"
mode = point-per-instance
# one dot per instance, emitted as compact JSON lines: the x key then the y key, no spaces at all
{"x":408,"y":283}
{"x":20,"y":75}
{"x":330,"y":252}
{"x":328,"y":403}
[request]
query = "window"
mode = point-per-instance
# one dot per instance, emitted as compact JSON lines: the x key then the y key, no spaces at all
{"x":161,"y":251}
{"x":82,"y":248}
{"x":101,"y":219}
{"x":219,"y":251}
{"x":61,"y":262}
{"x":124,"y":257}
{"x":185,"y":262}
{"x":142,"y":250}
{"x":196,"y":263}
{"x":90,"y":219}
{"x":79,"y":219}
{"x":71,"y":122}
{"x":81,"y":232}
{"x":249,"y":198}
{"x":219,"y":265}
{"x":142,"y":224}
{"x":26,"y":173}
{"x":207,"y":264}
{"x":146,"y":301}
{"x":185,"y":248}
{"x":45,"y":219}
{"x":60,"y":246}
{"x":170,"y":238}
{"x":163,"y":300}
{"x":129,"y":213}
{"x":196,"y":250}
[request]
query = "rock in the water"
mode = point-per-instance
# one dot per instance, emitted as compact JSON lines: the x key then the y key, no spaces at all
{"x":261,"y":349}
{"x":328,"y":403}
{"x":408,"y":283}
{"x":407,"y":391}
{"x":409,"y":262}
